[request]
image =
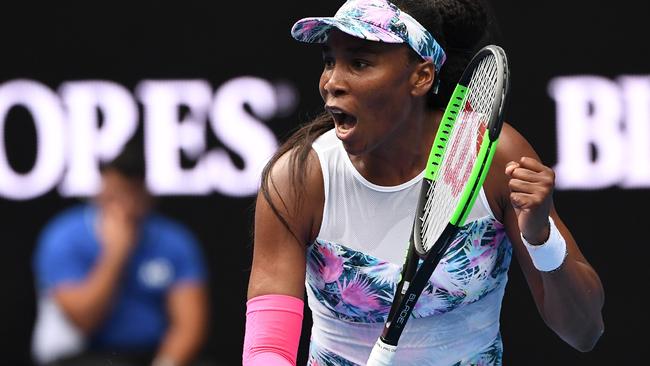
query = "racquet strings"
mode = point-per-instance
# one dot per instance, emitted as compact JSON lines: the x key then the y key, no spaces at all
{"x":445,"y":192}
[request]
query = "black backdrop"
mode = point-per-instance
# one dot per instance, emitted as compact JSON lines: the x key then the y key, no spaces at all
{"x":216,"y":41}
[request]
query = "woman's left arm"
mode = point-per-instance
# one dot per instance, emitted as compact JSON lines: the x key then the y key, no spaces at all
{"x":566,"y":288}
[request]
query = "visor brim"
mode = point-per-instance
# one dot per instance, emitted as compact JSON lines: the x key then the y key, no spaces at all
{"x":316,"y":30}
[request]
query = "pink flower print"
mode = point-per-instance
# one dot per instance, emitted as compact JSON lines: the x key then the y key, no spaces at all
{"x":308,"y":26}
{"x":378,"y":16}
{"x":358,"y":293}
{"x":479,"y":254}
{"x":332,"y":265}
{"x":443,"y":279}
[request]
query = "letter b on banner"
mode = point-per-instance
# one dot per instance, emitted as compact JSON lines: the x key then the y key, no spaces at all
{"x":603,"y":132}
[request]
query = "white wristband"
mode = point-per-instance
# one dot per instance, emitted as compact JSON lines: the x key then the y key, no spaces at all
{"x":549,"y":255}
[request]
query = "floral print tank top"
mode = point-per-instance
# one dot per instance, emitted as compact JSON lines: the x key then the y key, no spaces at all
{"x":354,"y":266}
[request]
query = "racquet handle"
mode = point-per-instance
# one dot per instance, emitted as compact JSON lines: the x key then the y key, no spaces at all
{"x":382,"y":354}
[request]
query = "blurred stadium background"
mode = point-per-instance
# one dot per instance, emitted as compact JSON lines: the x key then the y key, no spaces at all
{"x":215,"y":86}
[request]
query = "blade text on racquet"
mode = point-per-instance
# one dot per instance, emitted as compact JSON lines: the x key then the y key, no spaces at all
{"x":459,"y":161}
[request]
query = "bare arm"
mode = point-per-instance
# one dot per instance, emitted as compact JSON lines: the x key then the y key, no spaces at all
{"x":279,"y":252}
{"x":188,"y":313}
{"x":87,"y":302}
{"x":273,"y":322}
{"x":570,"y":299}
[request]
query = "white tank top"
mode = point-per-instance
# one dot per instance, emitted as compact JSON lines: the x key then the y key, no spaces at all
{"x":354,"y":265}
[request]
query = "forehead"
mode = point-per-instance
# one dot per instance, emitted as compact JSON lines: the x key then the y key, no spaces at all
{"x":339,"y":41}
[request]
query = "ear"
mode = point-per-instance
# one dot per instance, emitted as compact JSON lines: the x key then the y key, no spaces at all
{"x":422,"y":78}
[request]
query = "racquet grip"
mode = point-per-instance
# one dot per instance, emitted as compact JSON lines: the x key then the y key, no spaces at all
{"x":382,"y":354}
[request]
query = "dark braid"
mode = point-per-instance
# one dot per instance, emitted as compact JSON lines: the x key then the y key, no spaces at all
{"x":460,"y":28}
{"x":465,"y":23}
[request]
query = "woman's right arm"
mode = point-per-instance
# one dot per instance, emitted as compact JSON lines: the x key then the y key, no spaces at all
{"x":279,"y":251}
{"x":277,"y":280}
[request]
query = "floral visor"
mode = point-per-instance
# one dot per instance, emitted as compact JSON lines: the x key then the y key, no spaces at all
{"x":373,"y":20}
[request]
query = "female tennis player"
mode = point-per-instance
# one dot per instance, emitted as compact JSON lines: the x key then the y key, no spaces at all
{"x":338,"y":199}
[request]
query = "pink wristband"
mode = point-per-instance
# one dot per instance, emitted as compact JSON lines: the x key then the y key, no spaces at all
{"x":273,"y":326}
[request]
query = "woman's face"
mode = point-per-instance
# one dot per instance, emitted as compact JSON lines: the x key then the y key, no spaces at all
{"x":367,"y":88}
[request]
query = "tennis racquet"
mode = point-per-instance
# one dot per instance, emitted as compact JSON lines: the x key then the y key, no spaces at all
{"x":458,"y":163}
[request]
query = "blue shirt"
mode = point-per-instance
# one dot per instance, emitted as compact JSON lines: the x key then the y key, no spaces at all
{"x":166,"y":254}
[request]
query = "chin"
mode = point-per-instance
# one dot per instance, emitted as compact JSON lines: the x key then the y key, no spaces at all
{"x":354,"y":149}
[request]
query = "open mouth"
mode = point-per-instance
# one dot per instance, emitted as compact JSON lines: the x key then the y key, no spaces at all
{"x":343,"y":120}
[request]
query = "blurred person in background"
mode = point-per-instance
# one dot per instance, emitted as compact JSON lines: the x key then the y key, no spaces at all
{"x":119,"y":284}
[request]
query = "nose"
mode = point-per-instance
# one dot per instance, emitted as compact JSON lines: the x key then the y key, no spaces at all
{"x":333,"y":82}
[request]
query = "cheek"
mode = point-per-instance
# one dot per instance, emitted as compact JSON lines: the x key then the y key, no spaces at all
{"x":384,"y":103}
{"x":385,"y":92}
{"x":387,"y":111}
{"x":321,"y":85}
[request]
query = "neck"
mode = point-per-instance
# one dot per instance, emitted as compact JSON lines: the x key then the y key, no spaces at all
{"x":404,"y":156}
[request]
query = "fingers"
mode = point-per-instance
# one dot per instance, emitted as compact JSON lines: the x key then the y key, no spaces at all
{"x":526,"y":201}
{"x":528,"y":164}
{"x":117,"y":229}
{"x":527,"y":194}
{"x":530,"y":170}
{"x":528,"y":183}
{"x":531,"y":183}
{"x":510,"y":168}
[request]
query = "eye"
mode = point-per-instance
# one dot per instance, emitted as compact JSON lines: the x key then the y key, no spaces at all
{"x":328,"y":62}
{"x":360,"y":64}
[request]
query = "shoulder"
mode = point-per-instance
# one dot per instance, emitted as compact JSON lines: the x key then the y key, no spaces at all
{"x":169,"y":229}
{"x":294,"y":191}
{"x":65,"y":236}
{"x":512,"y":146}
{"x":71,"y":221}
{"x":298,"y":166}
{"x":326,"y":141}
{"x":306,"y":157}
{"x":295,"y":169}
{"x":70,"y":215}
